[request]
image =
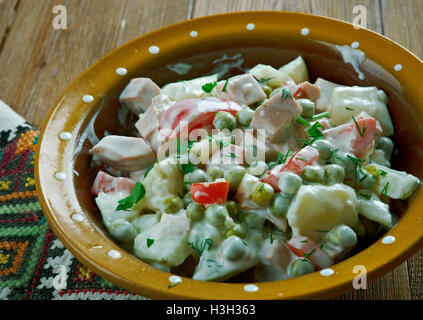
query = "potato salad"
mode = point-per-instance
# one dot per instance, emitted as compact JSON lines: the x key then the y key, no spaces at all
{"x":263,"y":175}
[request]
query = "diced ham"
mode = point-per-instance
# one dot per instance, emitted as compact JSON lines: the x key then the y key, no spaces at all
{"x":124,"y":153}
{"x":326,"y":89}
{"x":138,"y":94}
{"x":296,"y":164}
{"x":107,"y":183}
{"x":354,"y":138}
{"x":276,"y":116}
{"x":308,"y":91}
{"x":307,"y":248}
{"x":244,"y":89}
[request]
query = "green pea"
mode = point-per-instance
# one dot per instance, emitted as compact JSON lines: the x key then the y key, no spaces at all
{"x":194,"y":211}
{"x":263,"y":194}
{"x":300,"y":267}
{"x":232,"y":208}
{"x":334,"y":173}
{"x":342,"y":235}
{"x":187,"y":199}
{"x":196,"y":176}
{"x":172,"y":204}
{"x":234,"y":176}
{"x":236,"y":230}
{"x":386,"y":145}
{"x":215,"y":172}
{"x":233,"y":248}
{"x":324,"y":147}
{"x":216,"y":215}
{"x":122,"y":230}
{"x":253,"y":219}
{"x":245,"y":116}
{"x":257,"y":168}
{"x":365,"y":180}
{"x":349,"y":165}
{"x":313,"y":174}
{"x":224,"y":120}
{"x":307,"y":106}
{"x":280,"y":205}
{"x":289,"y":182}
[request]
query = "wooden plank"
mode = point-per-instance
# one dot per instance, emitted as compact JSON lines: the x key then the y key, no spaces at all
{"x":7,"y":14}
{"x":39,"y":62}
{"x":402,"y":23}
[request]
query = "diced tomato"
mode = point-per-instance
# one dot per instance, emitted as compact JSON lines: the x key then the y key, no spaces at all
{"x":305,"y":247}
{"x":210,"y":192}
{"x":107,"y":183}
{"x":355,"y":137}
{"x":296,"y":164}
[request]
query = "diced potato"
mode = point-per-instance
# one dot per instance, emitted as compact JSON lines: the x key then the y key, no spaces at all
{"x":204,"y":149}
{"x":392,"y":183}
{"x":318,"y":208}
{"x":297,"y":69}
{"x":164,"y":179}
{"x":379,"y":157}
{"x":348,"y":102}
{"x":146,"y":221}
{"x":201,"y":231}
{"x":273,"y":77}
{"x":232,"y":257}
{"x":375,"y":210}
{"x":187,"y":89}
{"x":245,"y":189}
{"x":165,"y":242}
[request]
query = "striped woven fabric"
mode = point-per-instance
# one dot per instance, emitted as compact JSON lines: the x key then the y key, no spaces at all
{"x":34,"y":264}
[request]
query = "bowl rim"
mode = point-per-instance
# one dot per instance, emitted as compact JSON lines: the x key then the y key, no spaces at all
{"x":318,"y":290}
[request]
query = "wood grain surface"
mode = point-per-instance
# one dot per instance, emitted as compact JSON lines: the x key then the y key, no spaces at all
{"x":37,"y":62}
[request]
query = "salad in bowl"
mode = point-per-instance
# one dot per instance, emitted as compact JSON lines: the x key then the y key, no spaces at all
{"x":263,"y":175}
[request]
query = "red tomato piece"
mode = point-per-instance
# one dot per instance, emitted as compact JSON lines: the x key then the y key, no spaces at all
{"x":107,"y":183}
{"x":210,"y":192}
{"x":305,"y":247}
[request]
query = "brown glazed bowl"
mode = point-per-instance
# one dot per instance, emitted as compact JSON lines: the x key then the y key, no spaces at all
{"x":89,"y":107}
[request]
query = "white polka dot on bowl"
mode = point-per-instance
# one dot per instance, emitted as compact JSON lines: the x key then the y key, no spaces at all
{"x":305,"y":31}
{"x":121,"y":71}
{"x":88,"y":98}
{"x":154,"y":49}
{"x":355,"y":45}
{"x":388,"y":240}
{"x":398,"y":67}
{"x":65,"y":136}
{"x":251,"y":26}
{"x":327,"y":272}
{"x":193,"y":33}
{"x":175,"y":279}
{"x":60,"y":176}
{"x":77,"y":217}
{"x":114,"y":254}
{"x":251,"y":288}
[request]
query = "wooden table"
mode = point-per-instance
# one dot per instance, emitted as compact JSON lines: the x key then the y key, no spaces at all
{"x":37,"y":61}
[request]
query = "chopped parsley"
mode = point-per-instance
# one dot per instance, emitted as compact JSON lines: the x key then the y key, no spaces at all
{"x":136,"y":195}
{"x":232,"y":155}
{"x":286,"y":94}
{"x":304,"y":241}
{"x":306,"y":142}
{"x":303,"y":159}
{"x":385,"y":189}
{"x":321,"y":245}
{"x":187,"y":167}
{"x":150,"y":242}
{"x":260,"y":189}
{"x":367,"y":196}
{"x":173,"y":284}
{"x":270,"y":236}
{"x":148,"y":170}
{"x":308,"y":254}
{"x":383,"y":173}
{"x":349,"y":109}
{"x":360,"y":131}
{"x":281,"y":159}
{"x":208,"y":87}
{"x":224,"y":87}
{"x":303,"y":121}
{"x":357,"y":161}
{"x":335,"y":154}
{"x":314,"y":131}
{"x":320,"y":115}
{"x":213,"y":262}
{"x":205,"y":244}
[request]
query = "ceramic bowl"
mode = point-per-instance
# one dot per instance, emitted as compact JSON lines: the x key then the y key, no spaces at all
{"x":89,"y":108}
